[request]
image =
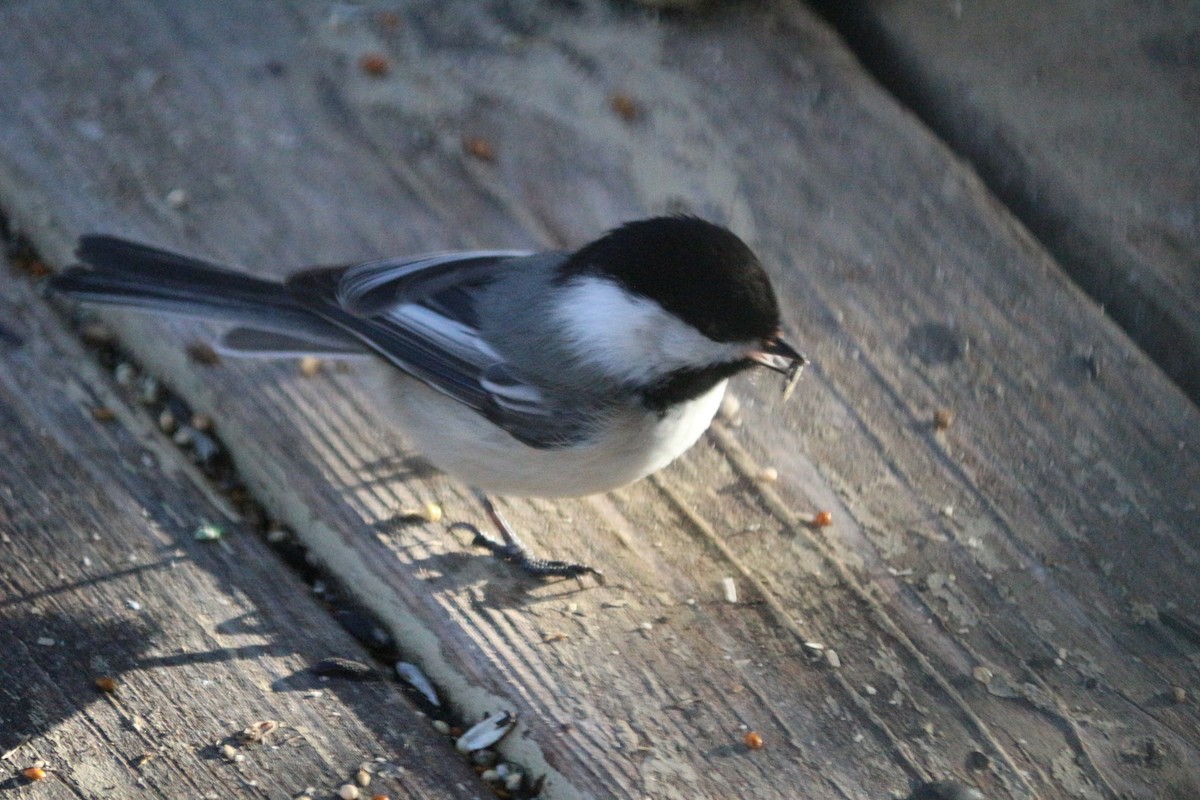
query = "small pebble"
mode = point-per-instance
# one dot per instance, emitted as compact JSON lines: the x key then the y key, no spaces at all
{"x":768,"y":475}
{"x":310,"y":366}
{"x":943,"y":418}
{"x":348,"y":791}
{"x":833,"y":658}
{"x":1178,"y":694}
{"x":441,"y":726}
{"x":362,"y":778}
{"x":177,"y":198}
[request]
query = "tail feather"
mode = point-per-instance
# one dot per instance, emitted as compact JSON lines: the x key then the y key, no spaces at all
{"x":123,"y":273}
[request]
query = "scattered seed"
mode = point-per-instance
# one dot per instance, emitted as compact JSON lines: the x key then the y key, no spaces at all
{"x":103,"y":414}
{"x":374,"y":64}
{"x":486,"y":732}
{"x":943,"y":418}
{"x":441,"y":726}
{"x":514,"y":781}
{"x":151,"y":390}
{"x":46,"y":641}
{"x":310,"y":366}
{"x":348,"y":791}
{"x":414,"y":677}
{"x":625,"y":107}
{"x":344,"y":668}
{"x":97,"y":334}
{"x":753,"y":740}
{"x":228,"y":752}
{"x":945,"y":790}
{"x":479,"y":147}
{"x":208,"y":532}
{"x":1178,"y":695}
{"x":731,"y":595}
{"x":125,"y":374}
{"x":106,"y":683}
{"x":167,"y":422}
{"x":823,"y":519}
{"x":767,"y":475}
{"x":430,"y":512}
{"x":362,"y":778}
{"x":202,"y":421}
{"x":388,"y":20}
{"x":982,"y":674}
{"x":833,"y":659}
{"x":177,"y":198}
{"x":202,"y":353}
{"x":34,"y":773}
{"x":258,"y":731}
{"x":814,"y":649}
{"x":730,"y":406}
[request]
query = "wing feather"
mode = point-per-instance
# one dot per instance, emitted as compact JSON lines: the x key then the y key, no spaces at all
{"x":421,"y":315}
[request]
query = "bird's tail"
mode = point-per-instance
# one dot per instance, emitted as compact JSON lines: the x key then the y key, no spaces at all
{"x":119,"y":272}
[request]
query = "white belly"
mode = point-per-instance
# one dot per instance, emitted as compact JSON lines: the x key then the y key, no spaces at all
{"x":465,"y":445}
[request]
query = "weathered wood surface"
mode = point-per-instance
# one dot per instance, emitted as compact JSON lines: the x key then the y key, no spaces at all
{"x":1034,"y":538}
{"x":1085,"y":118}
{"x":100,"y":576}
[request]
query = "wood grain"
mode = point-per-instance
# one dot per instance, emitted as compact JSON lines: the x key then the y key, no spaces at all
{"x":1083,"y":118}
{"x":101,"y":577}
{"x":1029,"y":544}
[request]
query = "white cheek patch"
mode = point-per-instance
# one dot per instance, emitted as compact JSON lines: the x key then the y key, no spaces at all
{"x":631,"y":338}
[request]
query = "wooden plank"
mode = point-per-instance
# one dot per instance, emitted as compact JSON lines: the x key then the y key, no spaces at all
{"x":1029,"y":542}
{"x":100,"y":576}
{"x":1083,"y":117}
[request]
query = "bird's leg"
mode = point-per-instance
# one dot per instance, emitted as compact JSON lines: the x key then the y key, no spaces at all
{"x":514,"y":551}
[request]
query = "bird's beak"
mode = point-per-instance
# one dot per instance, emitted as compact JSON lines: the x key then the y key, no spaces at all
{"x":779,"y":356}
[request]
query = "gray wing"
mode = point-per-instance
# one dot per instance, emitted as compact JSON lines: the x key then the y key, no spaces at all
{"x":421,"y":315}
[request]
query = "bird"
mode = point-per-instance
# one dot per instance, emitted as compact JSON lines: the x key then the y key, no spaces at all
{"x":546,"y":374}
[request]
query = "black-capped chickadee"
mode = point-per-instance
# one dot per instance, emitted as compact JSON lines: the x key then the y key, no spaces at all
{"x":546,"y":374}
